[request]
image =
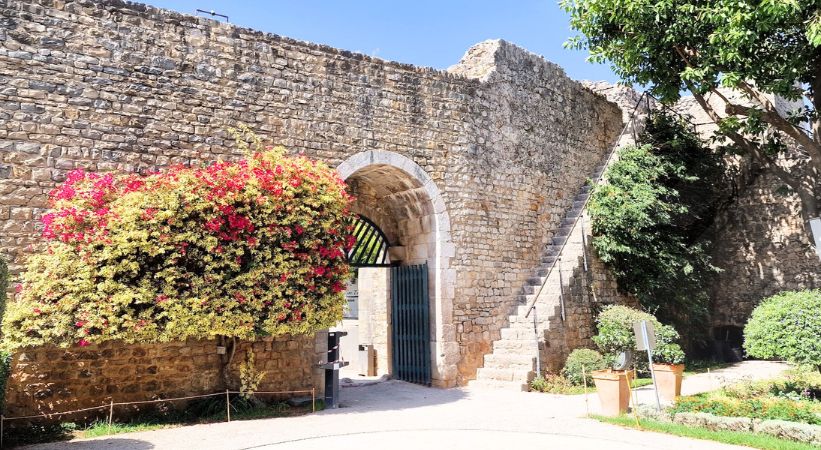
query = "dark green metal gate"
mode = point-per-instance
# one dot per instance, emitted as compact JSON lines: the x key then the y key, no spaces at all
{"x":411,"y":326}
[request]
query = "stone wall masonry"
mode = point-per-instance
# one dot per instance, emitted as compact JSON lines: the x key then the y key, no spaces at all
{"x":108,"y":85}
{"x":51,"y":379}
{"x":759,"y":240}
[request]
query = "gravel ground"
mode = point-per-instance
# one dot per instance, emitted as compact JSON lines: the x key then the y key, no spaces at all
{"x":398,"y":415}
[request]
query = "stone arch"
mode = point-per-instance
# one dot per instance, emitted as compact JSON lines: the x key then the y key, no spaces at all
{"x":404,"y":201}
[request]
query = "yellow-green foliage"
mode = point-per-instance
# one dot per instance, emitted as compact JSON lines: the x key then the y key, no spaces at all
{"x":249,"y":376}
{"x":233,"y":249}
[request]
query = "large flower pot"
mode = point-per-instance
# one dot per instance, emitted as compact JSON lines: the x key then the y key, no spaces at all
{"x":668,"y":378}
{"x":613,"y":387}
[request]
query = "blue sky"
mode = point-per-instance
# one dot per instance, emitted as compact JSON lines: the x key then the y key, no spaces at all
{"x":421,"y":32}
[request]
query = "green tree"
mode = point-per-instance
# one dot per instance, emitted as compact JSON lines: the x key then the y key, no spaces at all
{"x":755,"y":47}
{"x":649,"y":221}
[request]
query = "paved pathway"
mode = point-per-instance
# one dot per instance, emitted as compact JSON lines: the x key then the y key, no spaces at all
{"x":398,"y":415}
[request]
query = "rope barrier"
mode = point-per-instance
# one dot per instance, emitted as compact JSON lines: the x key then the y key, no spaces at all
{"x":141,"y":402}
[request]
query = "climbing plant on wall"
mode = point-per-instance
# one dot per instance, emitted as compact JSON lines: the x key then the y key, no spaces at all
{"x":650,"y":220}
{"x":234,"y":250}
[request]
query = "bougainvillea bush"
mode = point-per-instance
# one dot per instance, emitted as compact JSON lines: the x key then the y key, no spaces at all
{"x":235,"y":250}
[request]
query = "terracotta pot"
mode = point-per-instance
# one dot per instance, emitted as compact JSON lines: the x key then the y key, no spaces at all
{"x":668,"y":378}
{"x":613,"y":387}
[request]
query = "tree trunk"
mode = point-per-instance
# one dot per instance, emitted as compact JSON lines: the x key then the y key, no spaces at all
{"x":230,"y":345}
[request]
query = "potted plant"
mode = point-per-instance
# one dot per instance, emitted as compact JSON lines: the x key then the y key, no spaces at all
{"x":615,"y":336}
{"x":613,"y":388}
{"x":668,"y":363}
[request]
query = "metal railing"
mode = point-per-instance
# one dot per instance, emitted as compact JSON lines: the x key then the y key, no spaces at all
{"x":630,"y":123}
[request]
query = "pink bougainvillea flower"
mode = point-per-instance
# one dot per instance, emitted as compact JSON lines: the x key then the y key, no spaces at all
{"x":83,"y":343}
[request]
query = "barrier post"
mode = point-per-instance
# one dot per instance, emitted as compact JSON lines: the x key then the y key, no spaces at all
{"x":110,"y":414}
{"x":227,"y":405}
{"x":313,"y":399}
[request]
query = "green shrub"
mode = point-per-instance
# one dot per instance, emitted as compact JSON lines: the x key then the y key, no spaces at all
{"x":786,"y":326}
{"x":755,"y":408}
{"x":616,"y":335}
{"x":552,"y":384}
{"x":582,"y":357}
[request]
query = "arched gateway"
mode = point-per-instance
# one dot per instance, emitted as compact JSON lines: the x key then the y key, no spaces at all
{"x":398,"y":198}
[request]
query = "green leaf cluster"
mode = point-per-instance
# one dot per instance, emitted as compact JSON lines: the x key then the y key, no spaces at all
{"x":786,"y":326}
{"x":616,"y":335}
{"x":244,"y":249}
{"x":649,"y":220}
{"x":590,"y":360}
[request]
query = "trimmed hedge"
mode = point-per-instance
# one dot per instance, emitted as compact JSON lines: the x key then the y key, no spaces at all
{"x":786,"y":326}
{"x":582,"y":357}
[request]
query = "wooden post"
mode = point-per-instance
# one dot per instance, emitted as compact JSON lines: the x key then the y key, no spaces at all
{"x":2,"y":419}
{"x":110,"y":414}
{"x":227,"y":405}
{"x":584,"y":381}
{"x":313,"y":399}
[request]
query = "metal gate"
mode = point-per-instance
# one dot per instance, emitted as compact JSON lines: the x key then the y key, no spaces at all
{"x":411,"y":327}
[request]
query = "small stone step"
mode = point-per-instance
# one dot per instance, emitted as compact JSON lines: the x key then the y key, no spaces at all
{"x":558,"y":241}
{"x":578,"y":204}
{"x":586,"y":189}
{"x":568,"y":222}
{"x":581,"y":197}
{"x":535,"y":281}
{"x":513,"y":345}
{"x":564,"y":231}
{"x":516,"y":333}
{"x":551,"y":250}
{"x":500,"y":385}
{"x":527,"y":290}
{"x":506,"y":374}
{"x":510,"y":360}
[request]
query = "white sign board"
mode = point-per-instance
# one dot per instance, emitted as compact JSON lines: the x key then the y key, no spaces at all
{"x":352,"y":296}
{"x":815,"y":227}
{"x":642,"y":328}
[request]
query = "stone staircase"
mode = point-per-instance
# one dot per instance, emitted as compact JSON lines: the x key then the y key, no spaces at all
{"x":512,"y":363}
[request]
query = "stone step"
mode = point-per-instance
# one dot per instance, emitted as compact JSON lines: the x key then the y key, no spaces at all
{"x":499,"y":385}
{"x":510,"y":360}
{"x":581,"y":197}
{"x":578,"y":204}
{"x":514,"y":345}
{"x":517,"y":333}
{"x":547,"y":261}
{"x":523,"y":376}
{"x":564,"y":231}
{"x":525,"y":299}
{"x":558,"y":240}
{"x":567,"y":222}
{"x":586,"y":189}
{"x":535,"y":281}
{"x":551,"y":250}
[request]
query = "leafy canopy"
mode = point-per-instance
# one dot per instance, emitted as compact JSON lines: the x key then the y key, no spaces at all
{"x":760,"y":49}
{"x":786,"y":326}
{"x":242,"y":249}
{"x":669,"y":44}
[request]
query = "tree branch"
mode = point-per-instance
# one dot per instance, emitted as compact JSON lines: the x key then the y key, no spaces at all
{"x":771,"y":116}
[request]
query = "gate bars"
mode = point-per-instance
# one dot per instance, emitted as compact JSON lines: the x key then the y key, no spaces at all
{"x":410,"y":316}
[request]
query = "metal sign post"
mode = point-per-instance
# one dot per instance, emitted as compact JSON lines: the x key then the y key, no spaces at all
{"x":646,"y":340}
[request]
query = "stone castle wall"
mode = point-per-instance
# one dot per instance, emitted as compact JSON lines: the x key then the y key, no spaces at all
{"x":114,"y":86}
{"x":49,"y":379}
{"x":759,"y":239}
